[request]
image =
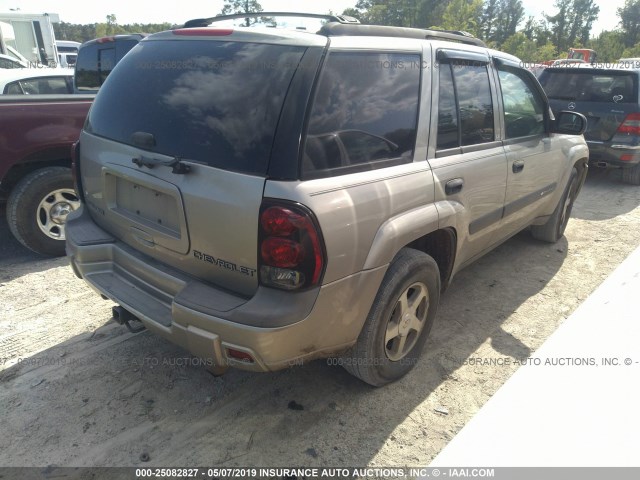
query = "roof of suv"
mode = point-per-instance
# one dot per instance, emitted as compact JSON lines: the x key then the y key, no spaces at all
{"x":344,"y":25}
{"x":341,"y":35}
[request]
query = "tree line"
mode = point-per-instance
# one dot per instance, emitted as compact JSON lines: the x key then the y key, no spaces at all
{"x":502,"y":24}
{"x":84,"y":33}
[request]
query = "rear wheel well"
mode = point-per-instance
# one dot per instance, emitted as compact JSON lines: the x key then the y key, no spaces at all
{"x":20,"y":170}
{"x":441,"y":246}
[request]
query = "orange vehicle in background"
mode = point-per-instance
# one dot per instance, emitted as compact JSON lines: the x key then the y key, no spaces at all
{"x":586,"y":54}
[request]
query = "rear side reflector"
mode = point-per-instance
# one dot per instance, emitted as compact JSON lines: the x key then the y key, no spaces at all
{"x":239,"y":355}
{"x":203,"y":32}
{"x":626,"y":158}
{"x":631,"y":124}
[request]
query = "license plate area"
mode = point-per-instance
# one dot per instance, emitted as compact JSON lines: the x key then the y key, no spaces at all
{"x":147,"y":206}
{"x":142,"y":205}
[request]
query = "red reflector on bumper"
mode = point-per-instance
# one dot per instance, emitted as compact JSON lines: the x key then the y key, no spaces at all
{"x":626,"y":158}
{"x":238,"y":355}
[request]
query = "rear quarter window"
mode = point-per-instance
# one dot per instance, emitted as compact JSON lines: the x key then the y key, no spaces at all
{"x":589,"y":86}
{"x":364,"y":114}
{"x":39,"y":86}
{"x":213,"y":102}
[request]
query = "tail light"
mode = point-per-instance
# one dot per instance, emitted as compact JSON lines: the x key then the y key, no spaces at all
{"x":75,"y":169}
{"x":291,"y":249}
{"x":631,"y":124}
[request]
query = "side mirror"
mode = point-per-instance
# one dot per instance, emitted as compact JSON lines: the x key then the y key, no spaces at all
{"x":569,"y":123}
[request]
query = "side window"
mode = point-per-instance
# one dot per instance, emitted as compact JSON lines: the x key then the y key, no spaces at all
{"x":447,"y":111}
{"x":474,"y":103}
{"x":13,"y":88}
{"x":465,"y":107}
{"x":39,"y":86}
{"x":364,"y":114}
{"x":86,"y":73}
{"x":523,"y":105}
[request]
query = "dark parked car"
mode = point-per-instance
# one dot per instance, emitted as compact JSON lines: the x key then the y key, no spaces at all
{"x":608,"y":97}
{"x":96,"y":58}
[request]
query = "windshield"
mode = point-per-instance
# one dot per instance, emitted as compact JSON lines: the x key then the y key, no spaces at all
{"x":213,"y":102}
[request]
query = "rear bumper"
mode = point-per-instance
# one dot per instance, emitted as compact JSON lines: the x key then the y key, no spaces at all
{"x":277,"y":329}
{"x":613,"y":154}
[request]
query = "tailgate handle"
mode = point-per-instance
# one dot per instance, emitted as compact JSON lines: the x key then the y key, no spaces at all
{"x":142,"y":237}
{"x":454,"y":186}
{"x":517,"y":166}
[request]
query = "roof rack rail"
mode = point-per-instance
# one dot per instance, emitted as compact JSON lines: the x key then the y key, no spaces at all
{"x":344,"y":25}
{"x":338,"y":29}
{"x":205,"y":22}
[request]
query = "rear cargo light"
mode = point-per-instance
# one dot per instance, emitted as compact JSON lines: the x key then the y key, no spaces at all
{"x":106,"y":39}
{"x":291,"y":251}
{"x":196,"y":32}
{"x":631,"y":124}
{"x":75,"y":169}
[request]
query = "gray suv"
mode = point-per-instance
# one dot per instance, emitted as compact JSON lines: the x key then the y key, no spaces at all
{"x":263,"y":197}
{"x":608,"y":97}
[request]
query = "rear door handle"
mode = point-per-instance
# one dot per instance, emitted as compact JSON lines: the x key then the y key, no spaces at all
{"x":517,"y":166}
{"x":453,"y":186}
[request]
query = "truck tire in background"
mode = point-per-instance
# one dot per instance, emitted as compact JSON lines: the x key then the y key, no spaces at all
{"x":631,"y":175}
{"x":37,"y":209}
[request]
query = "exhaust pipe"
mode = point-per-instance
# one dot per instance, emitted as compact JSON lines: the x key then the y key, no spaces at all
{"x":602,"y":164}
{"x":123,"y":316}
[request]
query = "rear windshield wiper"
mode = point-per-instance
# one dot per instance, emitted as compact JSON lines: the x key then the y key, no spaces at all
{"x":177,"y":164}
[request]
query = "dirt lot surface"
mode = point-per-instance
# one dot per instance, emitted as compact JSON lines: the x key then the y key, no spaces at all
{"x":77,"y":389}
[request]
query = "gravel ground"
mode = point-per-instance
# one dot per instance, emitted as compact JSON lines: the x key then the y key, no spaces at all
{"x":78,"y":390}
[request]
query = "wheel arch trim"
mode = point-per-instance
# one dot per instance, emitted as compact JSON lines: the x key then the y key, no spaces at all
{"x":398,"y":232}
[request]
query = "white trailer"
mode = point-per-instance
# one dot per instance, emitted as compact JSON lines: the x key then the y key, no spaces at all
{"x":33,"y":36}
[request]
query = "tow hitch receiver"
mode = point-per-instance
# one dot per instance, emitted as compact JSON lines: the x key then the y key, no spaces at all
{"x":123,"y":317}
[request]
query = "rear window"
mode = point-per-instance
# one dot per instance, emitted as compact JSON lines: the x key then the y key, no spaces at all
{"x":590,"y":86}
{"x":213,"y":102}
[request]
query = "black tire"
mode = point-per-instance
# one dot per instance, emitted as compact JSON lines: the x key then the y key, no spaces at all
{"x":555,"y":226}
{"x":379,"y":357}
{"x":37,"y":209}
{"x":631,"y":175}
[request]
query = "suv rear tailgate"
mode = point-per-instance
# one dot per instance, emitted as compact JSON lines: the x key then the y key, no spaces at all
{"x":604,"y":96}
{"x":210,"y":105}
{"x":203,"y":223}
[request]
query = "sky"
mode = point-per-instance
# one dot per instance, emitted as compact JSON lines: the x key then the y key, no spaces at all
{"x":145,"y":11}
